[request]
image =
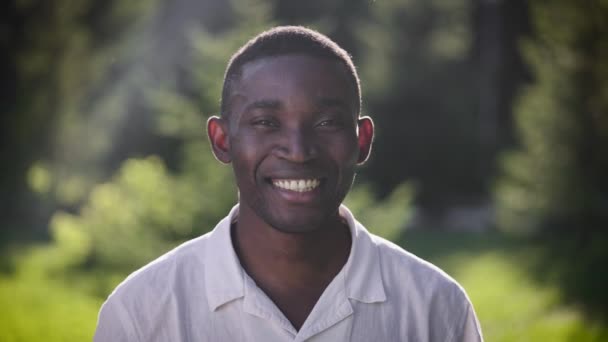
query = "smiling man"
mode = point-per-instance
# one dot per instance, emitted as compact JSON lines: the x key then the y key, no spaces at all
{"x":289,"y":262}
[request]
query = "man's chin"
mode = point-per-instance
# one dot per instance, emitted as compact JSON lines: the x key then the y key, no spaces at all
{"x":298,"y":225}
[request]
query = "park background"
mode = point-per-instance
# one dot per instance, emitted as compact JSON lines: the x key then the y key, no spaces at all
{"x":490,"y":160}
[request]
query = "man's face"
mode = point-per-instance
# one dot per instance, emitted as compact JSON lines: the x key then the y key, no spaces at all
{"x":293,"y":141}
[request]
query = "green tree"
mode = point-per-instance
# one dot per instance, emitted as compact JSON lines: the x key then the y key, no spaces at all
{"x":64,"y":56}
{"x":555,"y":182}
{"x":557,"y":177}
{"x":421,"y":90}
{"x":147,"y":208}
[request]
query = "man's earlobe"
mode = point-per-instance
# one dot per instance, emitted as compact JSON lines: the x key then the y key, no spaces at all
{"x":366,"y":137}
{"x":217,"y":131}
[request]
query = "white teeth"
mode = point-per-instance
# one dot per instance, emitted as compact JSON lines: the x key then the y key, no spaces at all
{"x":299,"y":185}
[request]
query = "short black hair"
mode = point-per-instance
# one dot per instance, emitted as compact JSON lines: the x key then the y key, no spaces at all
{"x":287,"y":40}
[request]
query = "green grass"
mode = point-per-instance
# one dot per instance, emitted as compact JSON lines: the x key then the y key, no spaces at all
{"x":510,"y":301}
{"x":45,"y":310}
{"x":40,"y":302}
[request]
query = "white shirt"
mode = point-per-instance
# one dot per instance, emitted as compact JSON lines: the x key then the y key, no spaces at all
{"x":200,"y":292}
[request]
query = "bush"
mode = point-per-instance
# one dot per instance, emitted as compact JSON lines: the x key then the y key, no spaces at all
{"x":386,"y":218}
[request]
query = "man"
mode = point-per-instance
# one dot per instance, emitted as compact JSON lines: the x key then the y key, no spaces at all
{"x":289,"y":263}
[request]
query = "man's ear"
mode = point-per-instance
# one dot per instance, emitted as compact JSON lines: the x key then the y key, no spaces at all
{"x":366,"y":137}
{"x":217,"y":130}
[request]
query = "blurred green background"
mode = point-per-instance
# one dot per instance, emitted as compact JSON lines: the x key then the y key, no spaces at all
{"x":491,"y":155}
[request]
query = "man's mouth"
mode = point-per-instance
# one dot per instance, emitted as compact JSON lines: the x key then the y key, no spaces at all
{"x":298,"y":185}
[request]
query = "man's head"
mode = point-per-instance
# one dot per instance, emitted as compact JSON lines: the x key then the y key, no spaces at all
{"x":290,"y":126}
{"x":287,"y":40}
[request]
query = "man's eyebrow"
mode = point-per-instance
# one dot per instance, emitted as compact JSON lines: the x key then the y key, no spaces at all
{"x":263,"y":104}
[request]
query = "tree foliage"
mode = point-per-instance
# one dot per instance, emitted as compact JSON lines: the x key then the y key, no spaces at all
{"x":557,"y":178}
{"x":419,"y":86}
{"x":147,"y":208}
{"x":64,"y":58}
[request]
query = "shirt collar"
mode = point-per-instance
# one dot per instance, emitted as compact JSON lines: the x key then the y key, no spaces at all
{"x":225,"y":277}
{"x":363,"y":277}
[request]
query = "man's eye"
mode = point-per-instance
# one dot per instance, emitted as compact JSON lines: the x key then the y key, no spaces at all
{"x":265,"y":123}
{"x":328,"y":123}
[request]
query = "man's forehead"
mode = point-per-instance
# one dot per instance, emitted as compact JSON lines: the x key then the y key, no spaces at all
{"x":325,"y":80}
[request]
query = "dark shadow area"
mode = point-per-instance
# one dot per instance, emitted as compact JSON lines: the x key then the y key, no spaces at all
{"x":579,"y":269}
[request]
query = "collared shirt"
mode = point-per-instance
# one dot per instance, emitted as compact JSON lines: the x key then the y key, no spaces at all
{"x":200,"y":292}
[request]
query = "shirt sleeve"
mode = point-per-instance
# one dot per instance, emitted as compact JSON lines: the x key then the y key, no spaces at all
{"x":470,"y":330}
{"x":114,"y":324}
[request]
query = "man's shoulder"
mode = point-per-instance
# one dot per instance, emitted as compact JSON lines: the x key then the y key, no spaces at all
{"x":160,"y":275}
{"x":406,"y":271}
{"x":424,"y":295}
{"x":153,"y":294}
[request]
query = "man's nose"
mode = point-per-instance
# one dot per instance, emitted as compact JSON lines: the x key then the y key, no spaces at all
{"x":297,"y":145}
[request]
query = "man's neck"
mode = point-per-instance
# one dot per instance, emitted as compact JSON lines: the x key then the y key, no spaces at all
{"x":292,"y":267}
{"x":289,"y":255}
